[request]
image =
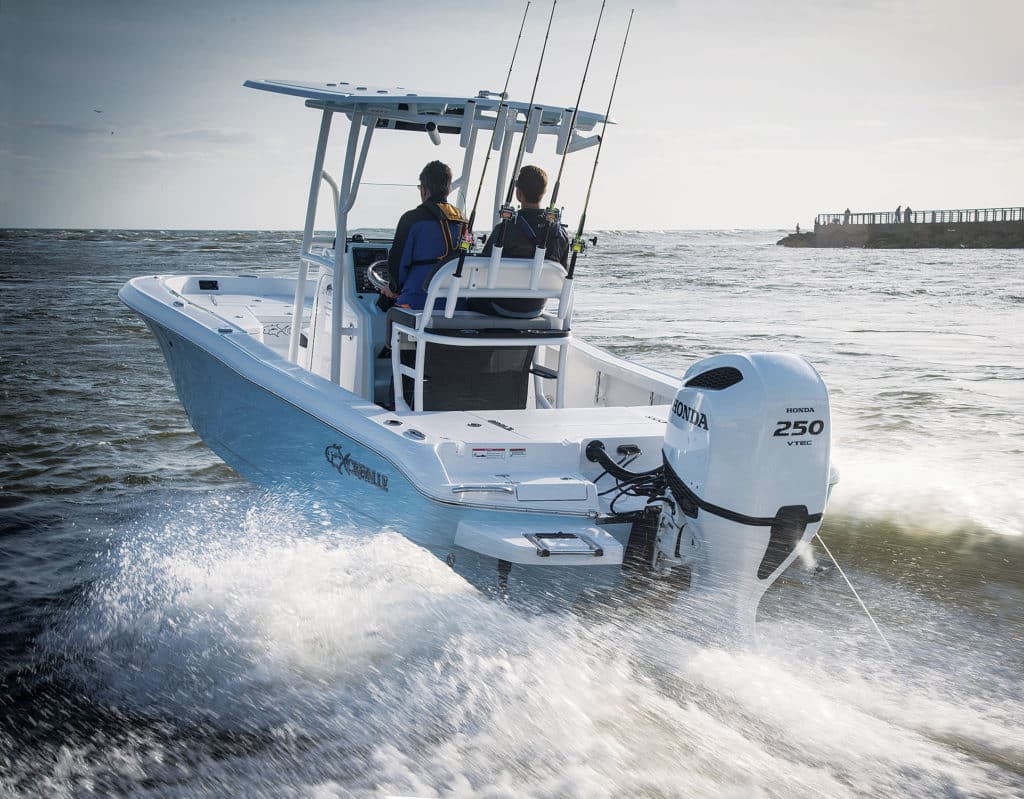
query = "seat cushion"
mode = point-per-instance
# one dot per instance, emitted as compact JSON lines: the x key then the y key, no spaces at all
{"x":469,"y":320}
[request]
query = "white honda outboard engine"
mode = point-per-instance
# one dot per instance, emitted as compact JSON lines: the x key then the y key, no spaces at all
{"x":747,"y":470}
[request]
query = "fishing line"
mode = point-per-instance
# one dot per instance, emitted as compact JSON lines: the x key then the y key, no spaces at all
{"x":507,"y":212}
{"x":575,"y":113}
{"x":467,"y":238}
{"x":865,"y":607}
{"x":577,"y":242}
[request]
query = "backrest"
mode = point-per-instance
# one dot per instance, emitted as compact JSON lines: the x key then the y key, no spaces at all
{"x":471,"y":378}
{"x":491,"y":278}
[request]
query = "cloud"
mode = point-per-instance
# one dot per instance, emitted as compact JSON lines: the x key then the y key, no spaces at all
{"x":149,"y":156}
{"x":65,"y":129}
{"x":192,"y":144}
{"x":209,"y":135}
{"x":4,"y":153}
{"x":987,"y":145}
{"x":992,"y":146}
{"x":766,"y":128}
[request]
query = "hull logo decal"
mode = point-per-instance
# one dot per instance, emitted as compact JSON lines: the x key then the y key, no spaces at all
{"x":346,"y":465}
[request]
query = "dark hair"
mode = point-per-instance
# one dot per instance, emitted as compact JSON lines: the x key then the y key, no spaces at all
{"x":532,"y":182}
{"x":436,"y":178}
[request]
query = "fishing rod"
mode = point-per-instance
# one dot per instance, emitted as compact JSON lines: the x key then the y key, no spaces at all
{"x":552,"y":214}
{"x":467,"y":238}
{"x":506,"y":212}
{"x":577,"y":242}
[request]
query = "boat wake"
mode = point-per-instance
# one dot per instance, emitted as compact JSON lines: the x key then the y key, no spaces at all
{"x":932,"y":490}
{"x":242,"y":646}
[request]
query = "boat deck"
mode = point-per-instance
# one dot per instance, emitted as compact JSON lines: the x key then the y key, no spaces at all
{"x":487,"y":444}
{"x":471,"y":442}
{"x":562,"y":425}
{"x":259,"y":306}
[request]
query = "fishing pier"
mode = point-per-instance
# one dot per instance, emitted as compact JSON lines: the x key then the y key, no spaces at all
{"x":959,"y":228}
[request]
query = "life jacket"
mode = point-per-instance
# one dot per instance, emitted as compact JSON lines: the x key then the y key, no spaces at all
{"x":418,"y":273}
{"x":446,"y":214}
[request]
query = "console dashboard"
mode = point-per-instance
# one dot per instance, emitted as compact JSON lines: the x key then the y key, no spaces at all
{"x":362,"y":256}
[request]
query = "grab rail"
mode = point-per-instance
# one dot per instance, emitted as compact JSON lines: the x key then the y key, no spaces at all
{"x":1014,"y":214}
{"x":319,"y":260}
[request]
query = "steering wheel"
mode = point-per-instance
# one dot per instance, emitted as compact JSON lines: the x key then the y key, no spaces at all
{"x":379,"y":275}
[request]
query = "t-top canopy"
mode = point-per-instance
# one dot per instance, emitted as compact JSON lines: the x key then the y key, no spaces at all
{"x":402,"y":109}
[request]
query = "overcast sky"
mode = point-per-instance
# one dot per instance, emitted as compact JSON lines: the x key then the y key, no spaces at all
{"x":731,"y":114}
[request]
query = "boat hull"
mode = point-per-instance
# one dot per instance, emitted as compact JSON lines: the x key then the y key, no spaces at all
{"x":281,"y":447}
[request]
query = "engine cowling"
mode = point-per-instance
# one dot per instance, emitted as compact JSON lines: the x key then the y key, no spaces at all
{"x":746,"y":456}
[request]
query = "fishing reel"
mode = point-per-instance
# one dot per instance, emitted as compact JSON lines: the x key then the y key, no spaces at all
{"x":466,"y":241}
{"x":507,"y":213}
{"x":579,"y":244}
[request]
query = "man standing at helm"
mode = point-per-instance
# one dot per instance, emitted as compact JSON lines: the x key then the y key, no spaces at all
{"x":425,"y":238}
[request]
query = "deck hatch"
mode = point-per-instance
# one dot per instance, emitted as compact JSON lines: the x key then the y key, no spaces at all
{"x":552,"y":489}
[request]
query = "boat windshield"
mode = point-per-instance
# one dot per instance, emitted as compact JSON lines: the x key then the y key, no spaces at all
{"x":379,"y":205}
{"x":382,"y":201}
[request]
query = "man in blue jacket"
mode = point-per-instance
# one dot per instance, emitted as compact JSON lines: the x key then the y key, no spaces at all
{"x":426,"y":237}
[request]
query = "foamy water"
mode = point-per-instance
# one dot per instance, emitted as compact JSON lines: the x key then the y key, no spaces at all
{"x":250,"y":650}
{"x":170,"y":631}
{"x":931,"y":489}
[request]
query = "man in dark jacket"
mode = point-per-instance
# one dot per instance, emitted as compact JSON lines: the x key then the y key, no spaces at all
{"x":425,"y":238}
{"x":521,"y":240}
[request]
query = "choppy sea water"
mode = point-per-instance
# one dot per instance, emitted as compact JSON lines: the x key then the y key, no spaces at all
{"x":168,"y":630}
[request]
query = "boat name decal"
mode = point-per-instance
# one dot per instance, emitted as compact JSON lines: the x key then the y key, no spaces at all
{"x":345,"y":464}
{"x":696,"y":418}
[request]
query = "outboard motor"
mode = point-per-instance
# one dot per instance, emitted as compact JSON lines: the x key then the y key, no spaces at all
{"x":746,"y":456}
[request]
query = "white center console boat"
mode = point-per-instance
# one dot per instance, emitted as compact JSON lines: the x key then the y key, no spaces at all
{"x":527,"y":459}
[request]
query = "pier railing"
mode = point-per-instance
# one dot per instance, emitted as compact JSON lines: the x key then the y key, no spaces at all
{"x":922,"y":217}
